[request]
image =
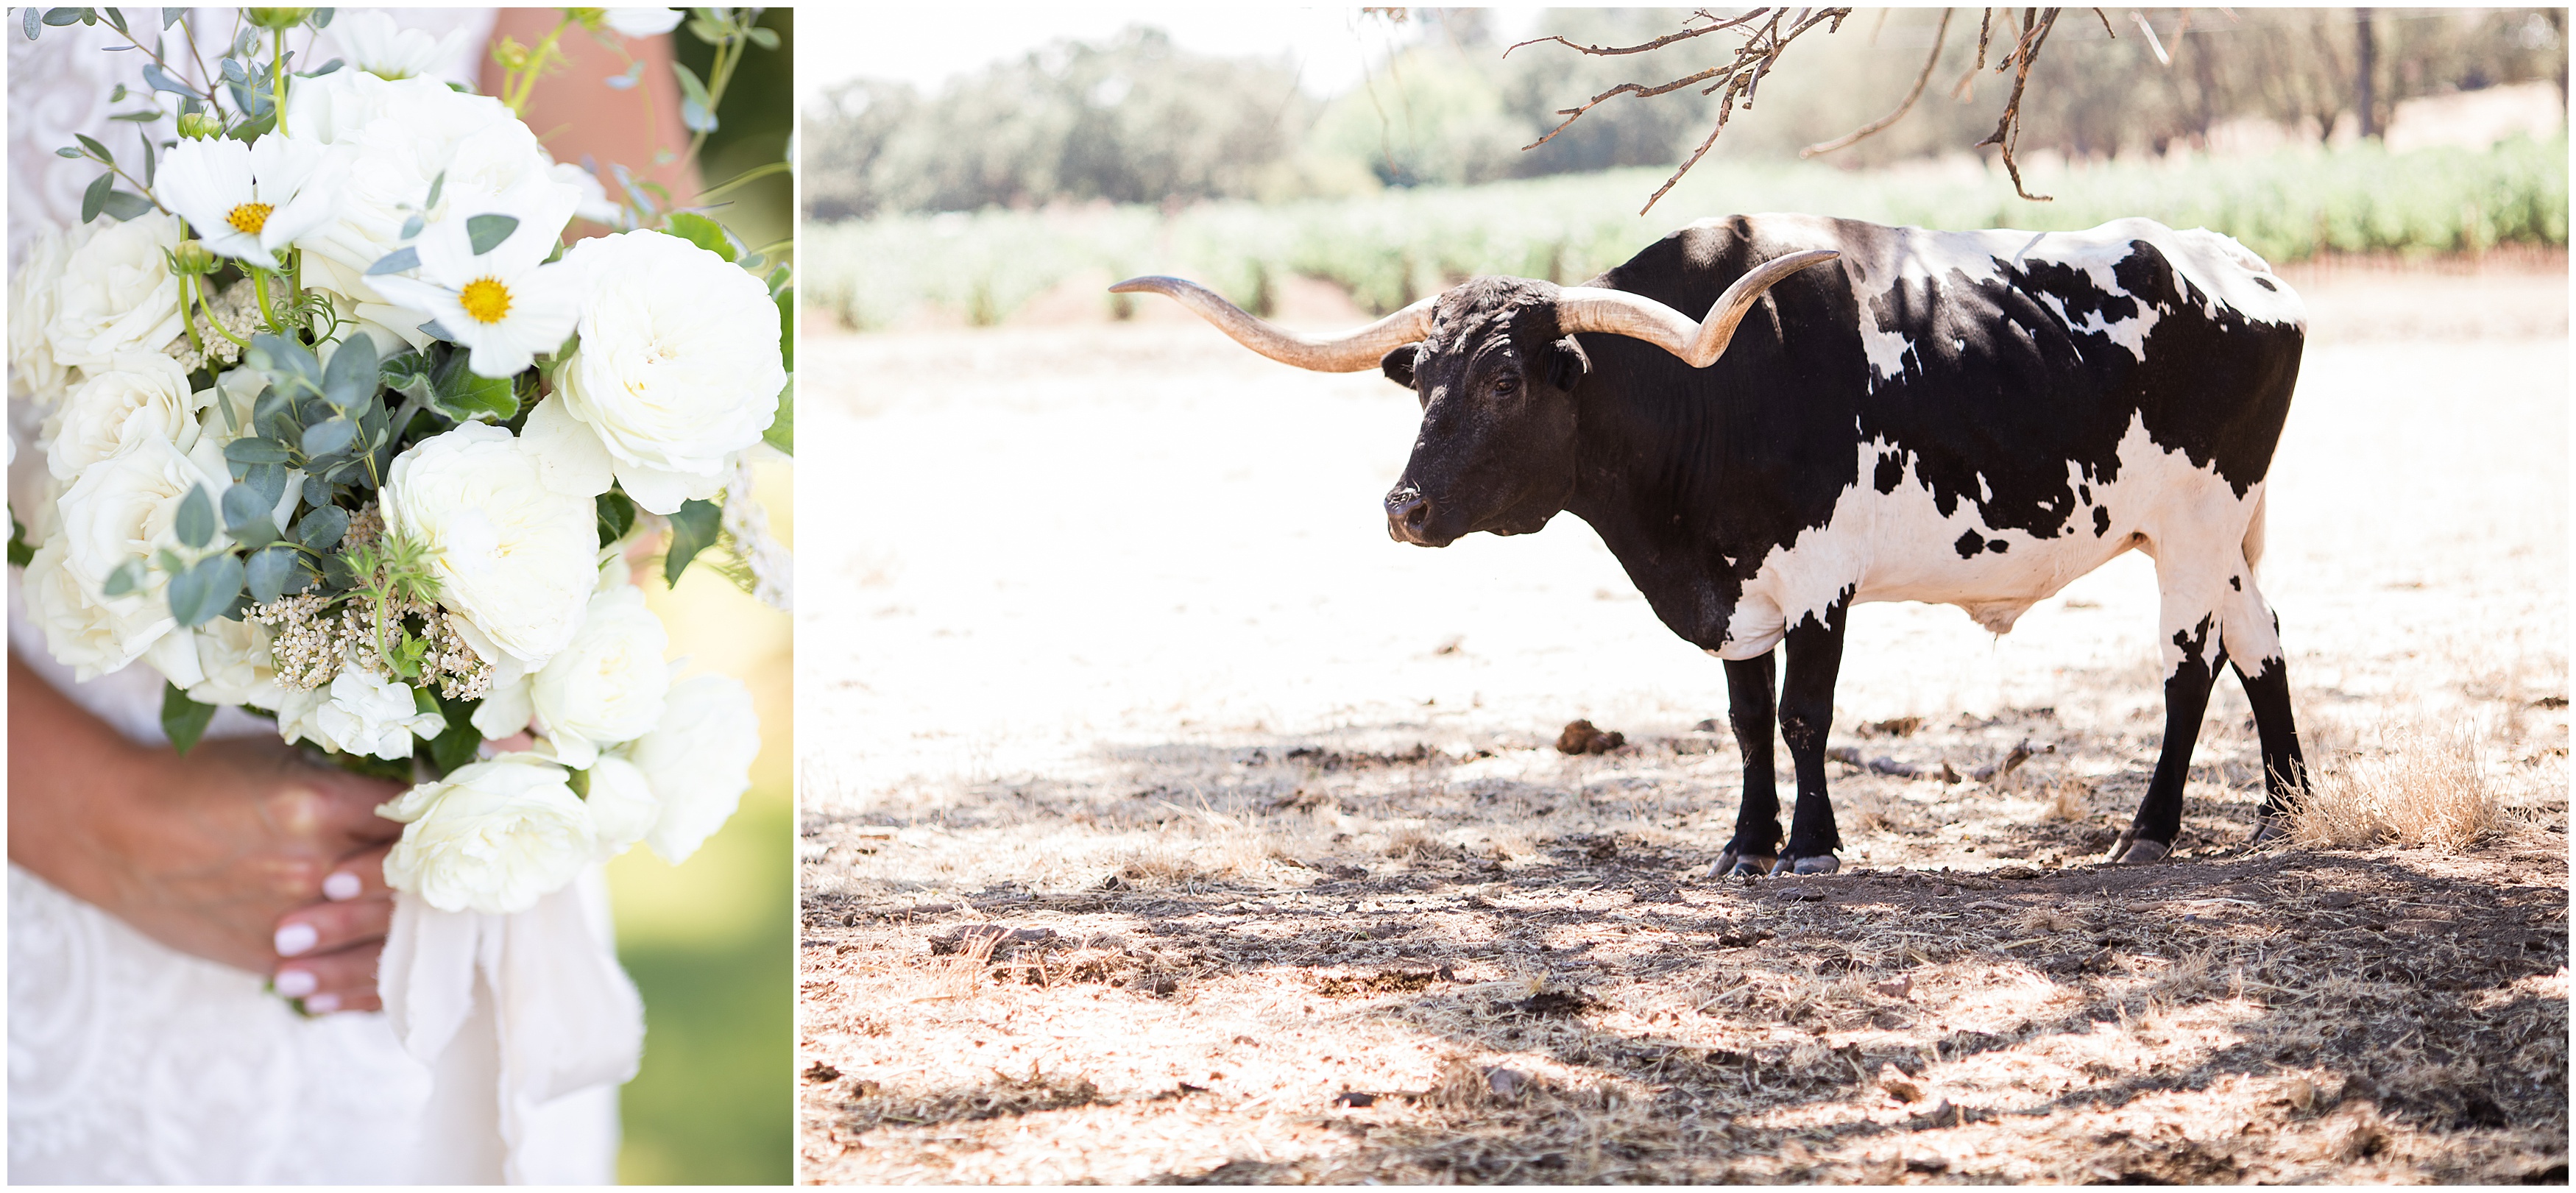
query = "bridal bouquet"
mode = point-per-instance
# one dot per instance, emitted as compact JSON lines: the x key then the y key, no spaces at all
{"x":338,"y":429}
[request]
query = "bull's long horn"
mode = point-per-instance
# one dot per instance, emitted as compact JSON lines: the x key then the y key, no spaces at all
{"x":1346,"y":353}
{"x":1585,"y":308}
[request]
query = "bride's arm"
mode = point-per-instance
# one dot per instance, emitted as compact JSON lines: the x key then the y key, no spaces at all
{"x":208,"y":853}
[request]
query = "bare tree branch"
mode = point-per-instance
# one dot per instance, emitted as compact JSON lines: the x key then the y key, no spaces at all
{"x":1656,"y":44}
{"x":1939,"y":37}
{"x":2008,"y":130}
{"x":1965,"y":90}
{"x":1739,"y":81}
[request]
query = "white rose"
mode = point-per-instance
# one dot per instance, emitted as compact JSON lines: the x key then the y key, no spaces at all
{"x":513,"y":555}
{"x":360,"y":713}
{"x":492,"y":837}
{"x":399,"y":135}
{"x":622,"y":807}
{"x":698,"y":760}
{"x":133,"y":397}
{"x":126,"y":507}
{"x":34,"y":294}
{"x":677,"y":368}
{"x":234,"y":657}
{"x":117,"y":294}
{"x":606,"y":687}
{"x":79,"y":634}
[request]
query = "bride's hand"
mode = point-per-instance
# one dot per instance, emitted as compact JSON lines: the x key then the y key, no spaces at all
{"x":331,"y":948}
{"x":205,"y":853}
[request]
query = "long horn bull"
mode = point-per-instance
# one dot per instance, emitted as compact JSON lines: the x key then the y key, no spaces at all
{"x":1579,"y":308}
{"x":1584,"y":308}
{"x":1347,"y":353}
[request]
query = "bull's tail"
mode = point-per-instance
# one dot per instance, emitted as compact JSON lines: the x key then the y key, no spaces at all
{"x":2254,"y":538}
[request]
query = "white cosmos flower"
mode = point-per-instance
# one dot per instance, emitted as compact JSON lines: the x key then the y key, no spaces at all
{"x":493,"y":837}
{"x":506,"y":305}
{"x":250,"y":200}
{"x":360,"y":713}
{"x":644,"y":22}
{"x":677,"y":368}
{"x":380,"y":48}
{"x":514,"y":556}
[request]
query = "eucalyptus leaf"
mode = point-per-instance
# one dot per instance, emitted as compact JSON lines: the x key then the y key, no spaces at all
{"x":330,"y":436}
{"x":255,"y":451}
{"x":317,"y":491}
{"x":127,"y":577}
{"x":351,"y":376}
{"x":437,"y":183}
{"x":694,"y":527}
{"x":96,"y":150}
{"x":269,"y":479}
{"x":250,"y":520}
{"x":411,"y":228}
{"x":398,"y":260}
{"x":321,"y":529}
{"x":486,"y":232}
{"x":94,"y":200}
{"x":269,"y":572}
{"x":195,"y":523}
{"x":207,"y":589}
{"x":33,"y":20}
{"x":126,"y":205}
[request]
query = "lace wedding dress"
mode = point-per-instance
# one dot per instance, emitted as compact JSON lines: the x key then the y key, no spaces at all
{"x":130,"y":1062}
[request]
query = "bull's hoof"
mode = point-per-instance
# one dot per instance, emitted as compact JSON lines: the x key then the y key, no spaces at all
{"x":2129,"y":851}
{"x":1823,"y":863}
{"x":2268,"y":829}
{"x":1731,"y":864}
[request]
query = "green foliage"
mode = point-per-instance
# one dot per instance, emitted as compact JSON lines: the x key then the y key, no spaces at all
{"x":183,"y":720}
{"x":782,"y":429}
{"x":20,"y":554}
{"x":1393,"y":248}
{"x":694,"y":528}
{"x":702,"y":232}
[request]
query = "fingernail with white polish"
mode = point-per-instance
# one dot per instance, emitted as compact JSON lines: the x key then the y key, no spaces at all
{"x":322,"y":1004}
{"x":296,"y":938}
{"x":342,"y":885}
{"x":296,"y":983}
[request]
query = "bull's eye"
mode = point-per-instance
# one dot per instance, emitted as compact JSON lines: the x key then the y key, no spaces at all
{"x":1507,"y":385}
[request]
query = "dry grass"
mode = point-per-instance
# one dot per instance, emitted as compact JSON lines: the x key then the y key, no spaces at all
{"x":2420,"y":787}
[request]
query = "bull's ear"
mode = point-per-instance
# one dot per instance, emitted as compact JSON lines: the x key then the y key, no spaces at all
{"x":1398,"y":365}
{"x":1567,"y":364}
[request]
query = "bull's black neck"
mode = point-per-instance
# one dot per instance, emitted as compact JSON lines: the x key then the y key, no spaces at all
{"x":1651,"y":478}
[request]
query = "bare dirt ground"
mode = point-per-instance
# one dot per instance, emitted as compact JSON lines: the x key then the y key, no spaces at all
{"x":1163,"y":822}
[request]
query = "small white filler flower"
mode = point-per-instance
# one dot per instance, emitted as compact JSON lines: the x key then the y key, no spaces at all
{"x":505,"y":304}
{"x":249,"y":201}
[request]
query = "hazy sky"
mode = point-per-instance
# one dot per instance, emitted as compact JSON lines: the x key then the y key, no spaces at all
{"x":927,"y":44}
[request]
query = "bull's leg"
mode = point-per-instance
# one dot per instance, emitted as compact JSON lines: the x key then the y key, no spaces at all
{"x":2253,"y":645}
{"x":2193,"y":651}
{"x":1749,"y":683}
{"x":1815,"y":650}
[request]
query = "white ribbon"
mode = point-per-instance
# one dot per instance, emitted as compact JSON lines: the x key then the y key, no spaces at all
{"x":511,"y":1012}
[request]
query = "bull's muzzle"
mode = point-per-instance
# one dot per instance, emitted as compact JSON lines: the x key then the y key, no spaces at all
{"x":1408,"y":513}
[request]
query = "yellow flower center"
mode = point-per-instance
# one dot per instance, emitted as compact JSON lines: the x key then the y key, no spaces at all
{"x":485,"y":299}
{"x":249,"y":218}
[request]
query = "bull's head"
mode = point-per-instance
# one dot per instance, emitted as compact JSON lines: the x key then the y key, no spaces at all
{"x":1495,"y":363}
